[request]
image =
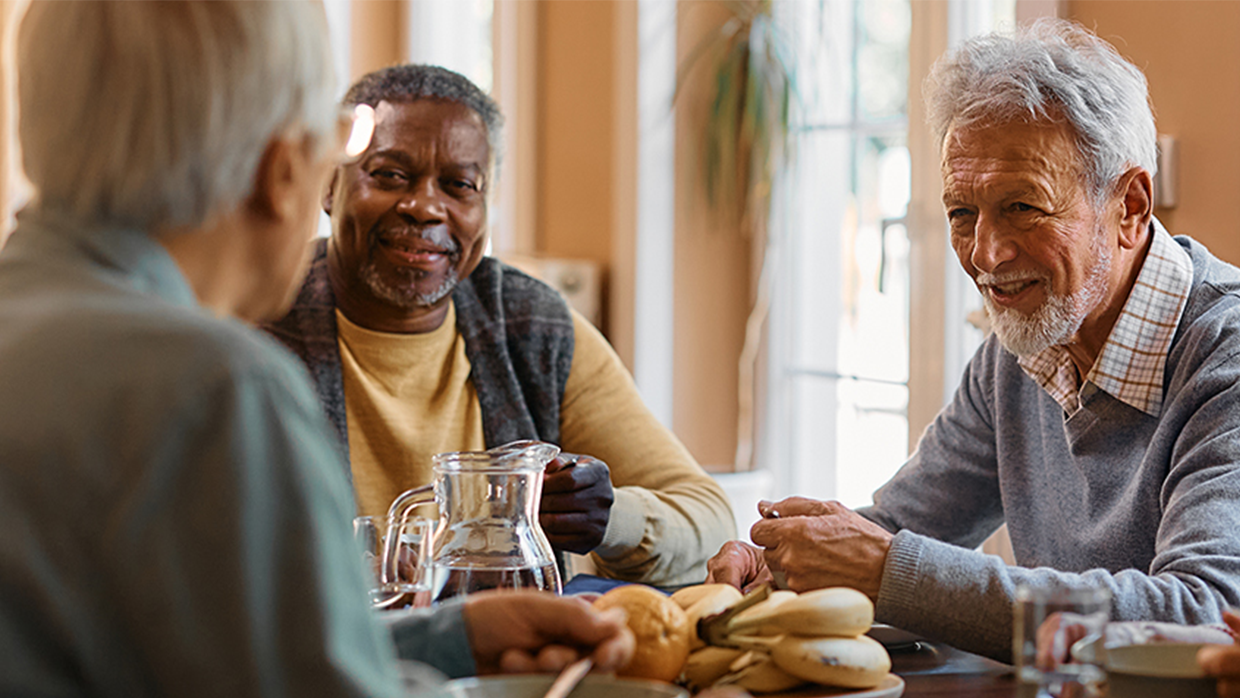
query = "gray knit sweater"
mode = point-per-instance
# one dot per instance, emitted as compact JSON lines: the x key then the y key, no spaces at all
{"x":1149,"y":507}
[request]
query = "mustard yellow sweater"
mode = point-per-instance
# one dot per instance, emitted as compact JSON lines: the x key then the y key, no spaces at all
{"x":669,"y":516}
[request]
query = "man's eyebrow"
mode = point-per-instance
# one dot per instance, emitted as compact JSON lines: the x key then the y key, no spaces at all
{"x":403,"y":158}
{"x":392,"y":154}
{"x":1023,"y":190}
{"x":949,"y":196}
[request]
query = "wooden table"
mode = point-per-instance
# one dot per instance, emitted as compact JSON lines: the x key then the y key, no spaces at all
{"x":939,"y":670}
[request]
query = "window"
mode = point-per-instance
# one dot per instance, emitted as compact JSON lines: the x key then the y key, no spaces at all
{"x":839,"y":341}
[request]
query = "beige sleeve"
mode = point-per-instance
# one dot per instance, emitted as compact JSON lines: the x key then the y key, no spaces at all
{"x":669,"y":516}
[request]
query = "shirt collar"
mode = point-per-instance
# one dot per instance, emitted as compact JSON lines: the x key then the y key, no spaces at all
{"x":131,"y":254}
{"x":1133,"y":359}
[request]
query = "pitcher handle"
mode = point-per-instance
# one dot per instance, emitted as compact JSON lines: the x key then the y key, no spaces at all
{"x":398,"y":514}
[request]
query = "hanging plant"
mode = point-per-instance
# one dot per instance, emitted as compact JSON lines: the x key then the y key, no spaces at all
{"x":745,"y":140}
{"x":745,"y":148}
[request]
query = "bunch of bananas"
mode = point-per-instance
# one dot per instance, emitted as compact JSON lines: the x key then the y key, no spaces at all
{"x":767,"y":641}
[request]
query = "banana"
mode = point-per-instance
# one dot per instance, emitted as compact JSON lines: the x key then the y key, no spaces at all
{"x":705,"y":666}
{"x":761,"y":675}
{"x":688,"y":596}
{"x":764,"y":608}
{"x":856,"y":662}
{"x":836,"y":611}
{"x":711,"y":603}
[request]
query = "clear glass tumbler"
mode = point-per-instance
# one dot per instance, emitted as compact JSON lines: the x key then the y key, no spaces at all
{"x":1047,"y":622}
{"x":412,"y":585}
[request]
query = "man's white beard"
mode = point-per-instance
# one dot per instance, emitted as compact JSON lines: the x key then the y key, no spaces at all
{"x":405,"y":296}
{"x":1059,"y":317}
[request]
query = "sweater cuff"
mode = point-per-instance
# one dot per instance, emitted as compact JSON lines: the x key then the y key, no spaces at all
{"x":626,"y":525}
{"x":897,"y":593}
{"x":437,"y":637}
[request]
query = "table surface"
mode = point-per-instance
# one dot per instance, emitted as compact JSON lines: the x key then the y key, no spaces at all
{"x":939,"y":670}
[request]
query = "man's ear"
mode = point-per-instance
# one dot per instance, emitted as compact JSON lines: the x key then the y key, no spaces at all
{"x":331,"y":190}
{"x":1136,"y":195}
{"x":274,"y":194}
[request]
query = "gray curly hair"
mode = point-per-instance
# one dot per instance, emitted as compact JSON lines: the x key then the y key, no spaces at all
{"x":1050,"y":70}
{"x":409,"y":82}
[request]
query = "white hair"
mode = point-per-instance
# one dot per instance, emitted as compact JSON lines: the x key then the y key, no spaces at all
{"x":1050,"y":70}
{"x":156,"y":114}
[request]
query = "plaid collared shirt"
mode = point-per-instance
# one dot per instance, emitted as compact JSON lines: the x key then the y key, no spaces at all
{"x":1131,"y":364}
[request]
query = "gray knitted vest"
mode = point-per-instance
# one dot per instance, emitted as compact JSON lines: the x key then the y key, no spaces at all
{"x":518,"y":338}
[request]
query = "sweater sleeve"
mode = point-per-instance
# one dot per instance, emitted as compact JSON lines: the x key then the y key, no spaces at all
{"x":669,"y":516}
{"x":934,"y":586}
{"x":436,"y":637}
{"x":949,"y":488}
{"x":942,"y":503}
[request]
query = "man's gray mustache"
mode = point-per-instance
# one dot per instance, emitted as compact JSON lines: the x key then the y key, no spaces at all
{"x":436,"y":236}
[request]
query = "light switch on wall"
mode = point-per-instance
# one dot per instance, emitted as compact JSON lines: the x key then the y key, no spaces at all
{"x":1166,"y":182}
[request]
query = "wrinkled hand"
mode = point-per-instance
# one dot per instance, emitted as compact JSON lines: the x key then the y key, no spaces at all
{"x":1055,"y":637}
{"x":822,"y":544}
{"x":530,"y":631}
{"x":576,"y":502}
{"x":1223,"y":661}
{"x":739,"y":564}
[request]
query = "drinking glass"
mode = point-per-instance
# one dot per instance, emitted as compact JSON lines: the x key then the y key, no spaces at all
{"x":412,"y":585}
{"x":1047,"y":621}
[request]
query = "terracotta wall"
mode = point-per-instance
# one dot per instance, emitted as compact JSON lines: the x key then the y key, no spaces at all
{"x":712,"y":274}
{"x":1190,"y":55}
{"x":375,"y":38}
{"x":576,"y":55}
{"x":580,"y":63}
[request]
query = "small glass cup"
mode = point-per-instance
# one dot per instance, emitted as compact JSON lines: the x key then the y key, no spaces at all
{"x":412,"y":588}
{"x":1047,"y":623}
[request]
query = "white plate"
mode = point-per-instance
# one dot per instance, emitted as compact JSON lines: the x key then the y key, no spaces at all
{"x":891,"y":687}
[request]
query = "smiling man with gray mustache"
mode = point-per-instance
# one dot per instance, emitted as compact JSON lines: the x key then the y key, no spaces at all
{"x":1058,"y":318}
{"x":420,"y":344}
{"x":1100,"y":420}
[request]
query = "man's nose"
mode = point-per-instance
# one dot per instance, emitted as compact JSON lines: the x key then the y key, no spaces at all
{"x":992,"y":245}
{"x":423,"y":202}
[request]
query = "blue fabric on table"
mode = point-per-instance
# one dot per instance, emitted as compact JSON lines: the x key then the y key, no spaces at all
{"x":588,"y":583}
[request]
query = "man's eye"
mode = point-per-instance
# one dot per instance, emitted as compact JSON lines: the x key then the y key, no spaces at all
{"x":463,"y":185}
{"x":388,"y":176}
{"x":1021,"y":207}
{"x":956,"y":214}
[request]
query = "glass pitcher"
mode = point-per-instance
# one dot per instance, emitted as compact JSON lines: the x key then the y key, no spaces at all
{"x":487,"y":536}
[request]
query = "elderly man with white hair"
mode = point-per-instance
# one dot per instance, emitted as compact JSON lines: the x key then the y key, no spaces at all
{"x":1100,"y":419}
{"x":173,"y":516}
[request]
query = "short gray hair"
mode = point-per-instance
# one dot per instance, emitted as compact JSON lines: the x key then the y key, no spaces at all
{"x":1050,"y":70}
{"x":156,"y":114}
{"x":410,"y":82}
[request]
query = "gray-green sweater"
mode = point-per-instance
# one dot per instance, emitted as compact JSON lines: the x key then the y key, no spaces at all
{"x":1149,"y":507}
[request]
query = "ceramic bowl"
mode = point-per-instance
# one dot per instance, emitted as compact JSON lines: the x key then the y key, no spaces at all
{"x":1155,"y":670}
{"x":536,"y":685}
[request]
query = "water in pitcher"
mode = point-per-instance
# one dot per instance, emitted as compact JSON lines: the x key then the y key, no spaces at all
{"x":449,"y":582}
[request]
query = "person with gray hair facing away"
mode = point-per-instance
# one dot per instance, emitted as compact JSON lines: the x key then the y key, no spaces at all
{"x":419,"y":344}
{"x":1098,"y":421}
{"x":173,"y":517}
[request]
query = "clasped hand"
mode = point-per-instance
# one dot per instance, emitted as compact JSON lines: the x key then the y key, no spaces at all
{"x":815,"y":543}
{"x":576,"y":502}
{"x":530,"y":631}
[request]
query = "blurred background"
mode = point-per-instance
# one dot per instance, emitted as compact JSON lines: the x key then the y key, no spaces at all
{"x":742,"y":195}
